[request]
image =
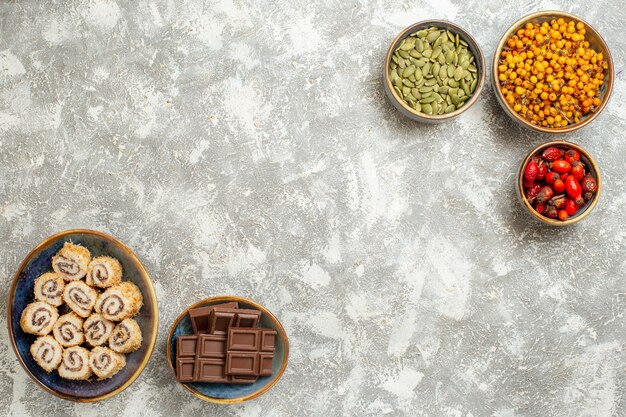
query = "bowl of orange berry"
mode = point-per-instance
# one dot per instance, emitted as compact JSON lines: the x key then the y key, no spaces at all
{"x":552,"y":72}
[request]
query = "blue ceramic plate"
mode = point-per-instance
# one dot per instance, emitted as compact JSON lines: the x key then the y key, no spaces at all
{"x":39,"y":261}
{"x":229,"y":393}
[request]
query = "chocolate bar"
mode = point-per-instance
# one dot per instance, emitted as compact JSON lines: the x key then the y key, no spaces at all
{"x":210,"y":370}
{"x":211,"y":346}
{"x":200,"y":316}
{"x":220,"y":320}
{"x":185,"y":369}
{"x":186,"y":346}
{"x":226,"y":347}
{"x":249,"y":351}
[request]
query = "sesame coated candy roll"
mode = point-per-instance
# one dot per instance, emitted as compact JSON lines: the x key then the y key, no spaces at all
{"x":47,"y":352}
{"x":105,"y":362}
{"x":80,"y":297}
{"x":126,"y":337}
{"x":71,"y":261}
{"x":49,"y":288}
{"x":38,"y":318}
{"x":97,"y":329}
{"x":120,"y":302}
{"x":75,"y":364}
{"x":104,"y":272}
{"x":68,"y":330}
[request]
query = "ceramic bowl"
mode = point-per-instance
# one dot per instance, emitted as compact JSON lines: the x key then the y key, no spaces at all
{"x":36,"y":263}
{"x":596,"y":42}
{"x":392,"y":94}
{"x":590,"y":167}
{"x":227,"y":393}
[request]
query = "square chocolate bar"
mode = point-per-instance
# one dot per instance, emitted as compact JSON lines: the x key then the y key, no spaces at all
{"x":244,"y":339}
{"x":265,"y":364}
{"x":210,"y":370}
{"x":186,"y":346}
{"x":185,"y":369}
{"x":247,"y":318}
{"x":220,"y":321}
{"x":268,"y":339}
{"x":200,"y":316}
{"x":211,"y":346}
{"x":242,"y":363}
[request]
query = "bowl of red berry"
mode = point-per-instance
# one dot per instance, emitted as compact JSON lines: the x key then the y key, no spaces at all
{"x":559,"y":183}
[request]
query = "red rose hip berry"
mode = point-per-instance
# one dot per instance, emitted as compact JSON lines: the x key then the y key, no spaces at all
{"x":571,"y":207}
{"x":578,"y":170}
{"x":571,"y":155}
{"x":531,"y":171}
{"x":561,"y":166}
{"x":559,"y":186}
{"x":552,"y":154}
{"x":545,"y":194}
{"x":551,"y":177}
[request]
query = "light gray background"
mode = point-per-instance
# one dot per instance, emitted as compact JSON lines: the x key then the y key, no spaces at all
{"x":247,"y":148}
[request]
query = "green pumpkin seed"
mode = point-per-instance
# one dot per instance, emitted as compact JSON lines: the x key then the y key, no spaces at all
{"x":408,"y":71}
{"x":408,"y":83}
{"x":435,"y":107}
{"x":452,"y":82}
{"x":425,"y":89}
{"x":437,"y":51}
{"x":414,"y":53}
{"x":403,"y":53}
{"x":471,"y":68}
{"x":407,"y":45}
{"x":422,"y":33}
{"x":473,"y":85}
{"x":432,"y":36}
{"x":449,"y":109}
{"x":427,"y":108}
{"x":431,"y":82}
{"x":427,"y":100}
{"x":427,"y":53}
{"x":406,"y":91}
{"x":419,"y":46}
{"x":449,"y":57}
{"x":418,"y":107}
{"x":458,"y":73}
{"x":426,"y":69}
{"x":443,"y":72}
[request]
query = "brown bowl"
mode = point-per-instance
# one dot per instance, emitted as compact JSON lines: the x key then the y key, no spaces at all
{"x":410,"y":112}
{"x":591,"y":168}
{"x":596,"y":42}
{"x":225,"y":393}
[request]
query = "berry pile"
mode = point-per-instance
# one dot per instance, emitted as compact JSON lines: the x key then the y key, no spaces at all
{"x":556,"y":183}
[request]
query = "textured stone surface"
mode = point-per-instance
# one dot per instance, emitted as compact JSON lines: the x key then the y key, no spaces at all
{"x":246,"y":147}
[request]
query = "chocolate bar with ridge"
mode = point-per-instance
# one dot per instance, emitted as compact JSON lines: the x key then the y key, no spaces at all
{"x":200,"y":316}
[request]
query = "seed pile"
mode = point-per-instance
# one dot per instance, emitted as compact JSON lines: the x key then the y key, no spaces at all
{"x":549,"y":74}
{"x":433,"y":71}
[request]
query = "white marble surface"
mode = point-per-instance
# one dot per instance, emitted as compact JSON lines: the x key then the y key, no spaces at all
{"x":247,"y":148}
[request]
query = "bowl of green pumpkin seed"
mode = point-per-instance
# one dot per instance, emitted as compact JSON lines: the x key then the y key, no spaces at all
{"x":434,"y":71}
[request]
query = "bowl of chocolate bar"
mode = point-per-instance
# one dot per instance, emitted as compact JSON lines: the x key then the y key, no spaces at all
{"x":227,"y":349}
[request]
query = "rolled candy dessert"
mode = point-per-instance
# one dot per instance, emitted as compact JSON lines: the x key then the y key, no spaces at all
{"x":120,"y":302}
{"x":68,"y":330}
{"x":49,"y":288}
{"x":75,"y":363}
{"x":97,"y":329}
{"x":38,"y":318}
{"x":126,"y":337}
{"x":47,"y":352}
{"x":71,"y":261}
{"x":105,"y":362}
{"x":104,"y":272}
{"x":80,"y":297}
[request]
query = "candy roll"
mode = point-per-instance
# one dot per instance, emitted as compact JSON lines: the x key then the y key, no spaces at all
{"x":105,"y":362}
{"x":104,"y":272}
{"x":97,"y":329}
{"x":126,"y":337}
{"x":47,"y":352}
{"x":120,"y":302}
{"x":75,"y":364}
{"x":49,"y":288}
{"x":38,"y":318}
{"x":80,"y":297}
{"x":68,"y":330}
{"x":71,"y":261}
